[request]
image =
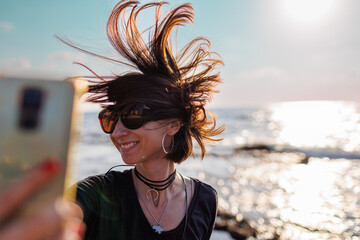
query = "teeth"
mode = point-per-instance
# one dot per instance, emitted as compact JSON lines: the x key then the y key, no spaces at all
{"x":129,"y":145}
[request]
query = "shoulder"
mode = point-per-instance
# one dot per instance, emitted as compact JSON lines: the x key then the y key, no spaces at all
{"x":203,"y":209}
{"x":204,"y":188}
{"x":103,"y":181}
{"x":91,"y":191}
{"x":205,"y":195}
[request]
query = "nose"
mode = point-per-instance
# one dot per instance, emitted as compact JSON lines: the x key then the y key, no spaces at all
{"x":119,"y":130}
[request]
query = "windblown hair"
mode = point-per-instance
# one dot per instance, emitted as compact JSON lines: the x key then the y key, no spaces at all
{"x":174,"y":86}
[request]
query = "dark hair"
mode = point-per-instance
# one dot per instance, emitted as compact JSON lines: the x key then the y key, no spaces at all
{"x":173,"y":86}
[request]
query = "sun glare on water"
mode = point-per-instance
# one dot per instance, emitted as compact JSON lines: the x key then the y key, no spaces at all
{"x":312,"y":195}
{"x":318,"y":124}
{"x":306,"y":12}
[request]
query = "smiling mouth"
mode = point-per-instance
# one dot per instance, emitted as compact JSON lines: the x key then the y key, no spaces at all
{"x":128,"y":145}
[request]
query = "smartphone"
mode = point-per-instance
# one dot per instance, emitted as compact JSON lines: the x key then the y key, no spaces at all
{"x":36,"y":122}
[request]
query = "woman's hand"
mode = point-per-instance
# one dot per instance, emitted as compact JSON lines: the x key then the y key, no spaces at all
{"x":61,"y":220}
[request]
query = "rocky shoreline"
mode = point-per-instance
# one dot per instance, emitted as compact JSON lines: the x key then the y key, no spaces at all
{"x":238,"y":229}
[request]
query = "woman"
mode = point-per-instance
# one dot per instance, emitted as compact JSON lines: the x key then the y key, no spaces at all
{"x":152,"y":115}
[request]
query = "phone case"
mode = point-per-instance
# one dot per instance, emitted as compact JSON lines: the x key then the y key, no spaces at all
{"x":36,"y":119}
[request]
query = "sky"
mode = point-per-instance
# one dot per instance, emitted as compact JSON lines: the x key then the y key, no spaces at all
{"x":273,"y":50}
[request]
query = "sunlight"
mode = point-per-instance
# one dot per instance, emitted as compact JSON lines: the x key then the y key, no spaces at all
{"x":305,"y":12}
{"x":317,"y":124}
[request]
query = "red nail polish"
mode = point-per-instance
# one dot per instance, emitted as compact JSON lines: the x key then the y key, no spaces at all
{"x":79,"y":230}
{"x":50,"y":167}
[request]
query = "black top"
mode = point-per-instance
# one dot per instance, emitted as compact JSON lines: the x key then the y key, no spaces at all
{"x":112,"y":210}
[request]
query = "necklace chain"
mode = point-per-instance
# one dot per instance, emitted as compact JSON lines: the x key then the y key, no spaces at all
{"x":158,"y":228}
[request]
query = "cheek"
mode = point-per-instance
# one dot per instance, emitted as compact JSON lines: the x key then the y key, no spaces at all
{"x":114,"y":142}
{"x":152,"y":142}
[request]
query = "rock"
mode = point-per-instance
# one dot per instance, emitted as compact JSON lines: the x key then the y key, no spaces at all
{"x":266,"y":152}
{"x":240,"y":230}
{"x":263,"y":147}
{"x":304,"y":160}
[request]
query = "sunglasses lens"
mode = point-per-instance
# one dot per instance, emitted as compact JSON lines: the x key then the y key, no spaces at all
{"x":136,"y":117}
{"x":132,"y":121}
{"x":107,"y":121}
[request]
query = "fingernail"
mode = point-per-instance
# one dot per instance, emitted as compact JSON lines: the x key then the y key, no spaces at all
{"x":79,"y":230}
{"x":50,"y":167}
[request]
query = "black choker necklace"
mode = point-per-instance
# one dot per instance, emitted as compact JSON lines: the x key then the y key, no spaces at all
{"x":156,"y":185}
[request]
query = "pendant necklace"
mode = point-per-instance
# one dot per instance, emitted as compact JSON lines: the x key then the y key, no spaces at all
{"x":158,"y":228}
{"x":155,"y":186}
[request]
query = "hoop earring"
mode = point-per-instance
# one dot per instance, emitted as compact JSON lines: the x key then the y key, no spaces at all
{"x":163,"y":144}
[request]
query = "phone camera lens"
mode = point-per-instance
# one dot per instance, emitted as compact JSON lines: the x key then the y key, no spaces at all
{"x":31,"y":104}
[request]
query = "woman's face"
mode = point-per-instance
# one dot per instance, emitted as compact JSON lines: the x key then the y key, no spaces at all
{"x":142,"y":144}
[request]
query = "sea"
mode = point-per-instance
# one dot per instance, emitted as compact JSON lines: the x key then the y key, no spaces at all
{"x":291,"y":169}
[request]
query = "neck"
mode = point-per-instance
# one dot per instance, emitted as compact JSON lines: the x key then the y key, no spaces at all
{"x":157,"y":171}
